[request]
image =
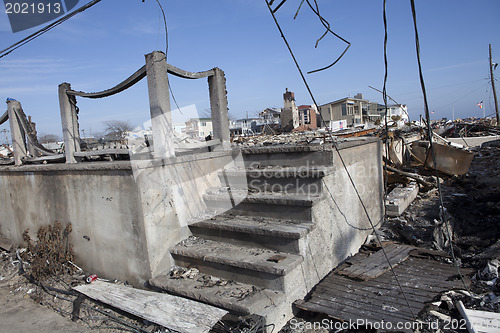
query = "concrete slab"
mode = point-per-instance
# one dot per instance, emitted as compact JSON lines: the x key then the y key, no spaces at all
{"x":239,"y":298}
{"x":259,"y":226}
{"x":400,"y":198}
{"x":254,"y":259}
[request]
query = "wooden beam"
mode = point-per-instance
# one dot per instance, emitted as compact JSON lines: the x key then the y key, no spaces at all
{"x":173,"y":312}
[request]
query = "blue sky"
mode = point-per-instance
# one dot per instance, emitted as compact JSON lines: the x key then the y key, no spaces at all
{"x":102,"y":46}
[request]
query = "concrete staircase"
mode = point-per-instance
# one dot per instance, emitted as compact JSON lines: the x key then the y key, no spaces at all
{"x":266,"y":244}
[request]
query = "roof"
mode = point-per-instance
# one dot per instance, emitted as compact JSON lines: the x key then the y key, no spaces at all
{"x":304,"y":107}
{"x":345,"y":99}
{"x":199,"y":119}
{"x":252,"y":119}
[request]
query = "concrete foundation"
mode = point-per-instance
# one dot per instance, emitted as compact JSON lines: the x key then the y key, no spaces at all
{"x":125,"y":215}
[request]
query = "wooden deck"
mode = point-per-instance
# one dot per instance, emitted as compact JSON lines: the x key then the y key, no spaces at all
{"x":373,"y":295}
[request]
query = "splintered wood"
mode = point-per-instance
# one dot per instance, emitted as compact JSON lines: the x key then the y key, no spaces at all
{"x":379,"y":299}
{"x":376,"y":264}
{"x":169,"y":311}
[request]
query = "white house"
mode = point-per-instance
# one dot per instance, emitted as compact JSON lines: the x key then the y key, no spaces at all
{"x":199,"y":128}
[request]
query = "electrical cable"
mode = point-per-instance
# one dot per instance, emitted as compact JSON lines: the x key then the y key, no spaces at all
{"x":166,"y":52}
{"x":336,"y":149}
{"x":386,"y":178}
{"x":442,"y":213}
{"x":324,"y":22}
{"x":46,"y":29}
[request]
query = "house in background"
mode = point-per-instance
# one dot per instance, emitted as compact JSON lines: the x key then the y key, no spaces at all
{"x":308,"y":118}
{"x":397,"y":113}
{"x":355,"y":110}
{"x":245,"y":126}
{"x":199,"y":128}
{"x":270,"y":116}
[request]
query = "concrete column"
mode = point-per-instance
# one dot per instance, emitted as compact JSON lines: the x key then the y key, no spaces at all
{"x":17,"y":132}
{"x":159,"y":105}
{"x":218,"y":106}
{"x":31,"y":148}
{"x":69,"y":121}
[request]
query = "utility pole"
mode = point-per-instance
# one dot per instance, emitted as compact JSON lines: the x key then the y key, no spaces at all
{"x":494,"y":91}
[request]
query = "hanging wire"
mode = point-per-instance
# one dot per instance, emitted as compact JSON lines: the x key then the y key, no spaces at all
{"x":46,"y":29}
{"x":442,"y":210}
{"x":323,"y":21}
{"x":340,"y":156}
{"x":326,"y":24}
{"x":166,"y":52}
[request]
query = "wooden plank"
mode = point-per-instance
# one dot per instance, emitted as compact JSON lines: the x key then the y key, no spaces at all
{"x":347,"y":299}
{"x":377,"y":264}
{"x":380,"y":289}
{"x":369,"y":262}
{"x":354,"y":312}
{"x":379,"y":303}
{"x":392,"y":296}
{"x":173,"y":312}
{"x":480,"y":321}
{"x":346,"y":315}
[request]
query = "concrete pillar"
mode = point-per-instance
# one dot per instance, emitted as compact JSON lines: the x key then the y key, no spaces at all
{"x":69,"y":121}
{"x":17,"y":132}
{"x":159,"y":105}
{"x":31,"y":148}
{"x":218,"y":106}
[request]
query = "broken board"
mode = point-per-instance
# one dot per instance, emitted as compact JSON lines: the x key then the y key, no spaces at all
{"x":169,"y":311}
{"x":380,"y":299}
{"x":481,"y":321}
{"x":377,"y":264}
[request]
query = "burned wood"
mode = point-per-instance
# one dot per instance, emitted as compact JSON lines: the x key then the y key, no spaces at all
{"x":426,"y":185}
{"x":376,"y":264}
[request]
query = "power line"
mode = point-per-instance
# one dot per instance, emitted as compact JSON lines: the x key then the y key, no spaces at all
{"x":46,"y":29}
{"x":166,"y":53}
{"x":442,"y":210}
{"x":337,"y":151}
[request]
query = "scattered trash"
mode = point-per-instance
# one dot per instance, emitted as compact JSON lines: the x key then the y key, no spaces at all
{"x":91,"y":278}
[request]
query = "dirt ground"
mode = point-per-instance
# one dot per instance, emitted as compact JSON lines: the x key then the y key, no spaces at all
{"x":472,"y":209}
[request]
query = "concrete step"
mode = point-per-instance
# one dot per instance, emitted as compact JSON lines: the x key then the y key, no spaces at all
{"x":257,"y":266}
{"x":299,"y":180}
{"x":238,"y":298}
{"x":288,"y":156}
{"x":265,"y":204}
{"x":275,"y":234}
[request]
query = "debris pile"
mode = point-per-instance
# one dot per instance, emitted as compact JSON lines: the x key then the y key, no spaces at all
{"x":44,"y":272}
{"x":467,"y":128}
{"x":472,"y":211}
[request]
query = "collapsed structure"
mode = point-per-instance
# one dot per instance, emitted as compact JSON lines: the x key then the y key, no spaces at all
{"x":270,"y":220}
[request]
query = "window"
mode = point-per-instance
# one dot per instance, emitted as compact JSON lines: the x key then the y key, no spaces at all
{"x":203,"y":124}
{"x":344,"y":109}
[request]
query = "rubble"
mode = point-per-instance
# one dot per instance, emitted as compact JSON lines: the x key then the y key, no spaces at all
{"x":472,"y":207}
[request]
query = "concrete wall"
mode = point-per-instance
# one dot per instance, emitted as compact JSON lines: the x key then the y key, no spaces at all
{"x":102,"y":203}
{"x":341,"y":222}
{"x":125,"y":215}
